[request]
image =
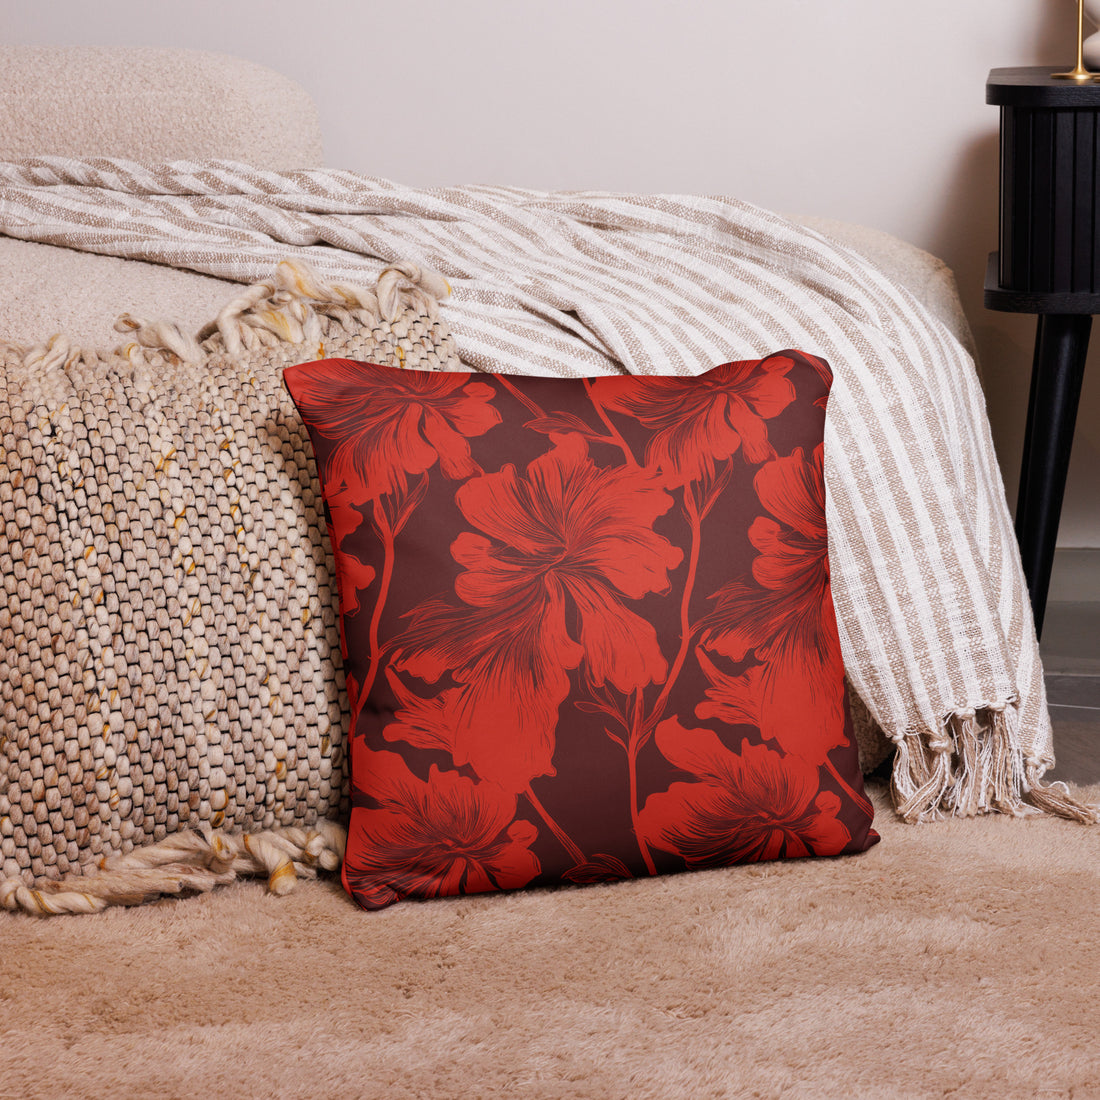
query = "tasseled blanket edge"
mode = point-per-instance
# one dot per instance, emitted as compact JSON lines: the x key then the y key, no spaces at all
{"x":192,"y":861}
{"x":975,"y":764}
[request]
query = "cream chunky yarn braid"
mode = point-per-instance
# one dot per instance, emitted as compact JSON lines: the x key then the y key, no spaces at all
{"x":172,"y":703}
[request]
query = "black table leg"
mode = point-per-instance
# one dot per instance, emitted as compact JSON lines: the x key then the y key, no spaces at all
{"x":1061,"y":341}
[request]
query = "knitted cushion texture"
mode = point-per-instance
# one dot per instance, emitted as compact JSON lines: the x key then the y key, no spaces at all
{"x":169,"y":651}
{"x":587,"y":624}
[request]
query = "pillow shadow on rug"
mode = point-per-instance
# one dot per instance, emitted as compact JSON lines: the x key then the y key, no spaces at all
{"x":587,"y":626}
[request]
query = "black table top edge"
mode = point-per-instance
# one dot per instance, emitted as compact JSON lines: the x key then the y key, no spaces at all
{"x":1035,"y":86}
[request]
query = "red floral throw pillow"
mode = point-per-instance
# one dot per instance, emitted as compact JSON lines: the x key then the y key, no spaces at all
{"x":587,"y":625}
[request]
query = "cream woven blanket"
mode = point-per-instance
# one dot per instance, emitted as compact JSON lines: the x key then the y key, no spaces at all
{"x":935,"y":623}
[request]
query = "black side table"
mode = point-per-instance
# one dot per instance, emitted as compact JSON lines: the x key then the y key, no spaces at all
{"x":1048,"y":264}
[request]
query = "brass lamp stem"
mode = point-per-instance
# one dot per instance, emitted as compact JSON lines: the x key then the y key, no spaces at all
{"x":1079,"y":72}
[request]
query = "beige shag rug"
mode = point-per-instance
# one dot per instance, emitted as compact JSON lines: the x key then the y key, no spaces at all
{"x":958,"y":959}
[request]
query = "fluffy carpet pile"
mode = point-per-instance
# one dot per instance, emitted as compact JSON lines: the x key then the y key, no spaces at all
{"x":958,"y":959}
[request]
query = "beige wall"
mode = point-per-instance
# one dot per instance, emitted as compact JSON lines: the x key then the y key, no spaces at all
{"x":856,"y":109}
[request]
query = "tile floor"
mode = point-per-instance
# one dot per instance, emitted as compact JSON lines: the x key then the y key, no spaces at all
{"x":1071,"y":660}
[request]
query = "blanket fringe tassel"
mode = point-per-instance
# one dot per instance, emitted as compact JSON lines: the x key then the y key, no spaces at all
{"x":189,"y":862}
{"x":287,"y":308}
{"x":974,"y":765}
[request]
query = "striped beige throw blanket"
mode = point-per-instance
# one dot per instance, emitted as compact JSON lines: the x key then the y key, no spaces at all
{"x":934,"y":617}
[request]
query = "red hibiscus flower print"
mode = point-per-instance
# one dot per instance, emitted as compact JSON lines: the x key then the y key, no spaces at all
{"x":786,"y":617}
{"x":746,"y":806}
{"x":424,"y":723}
{"x":734,"y":700}
{"x":542,"y":590}
{"x":510,"y":662}
{"x":387,"y":425}
{"x":448,"y":836}
{"x":699,"y":422}
{"x":353,"y":575}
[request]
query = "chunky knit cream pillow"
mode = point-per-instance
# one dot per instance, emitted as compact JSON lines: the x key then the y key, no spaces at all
{"x":169,"y":649}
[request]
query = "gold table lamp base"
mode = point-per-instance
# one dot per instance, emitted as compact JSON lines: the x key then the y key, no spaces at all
{"x":1079,"y":71}
{"x":1077,"y":74}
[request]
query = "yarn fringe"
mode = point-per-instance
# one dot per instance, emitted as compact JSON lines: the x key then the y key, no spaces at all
{"x":974,"y":765}
{"x":288,"y":308}
{"x":189,"y":862}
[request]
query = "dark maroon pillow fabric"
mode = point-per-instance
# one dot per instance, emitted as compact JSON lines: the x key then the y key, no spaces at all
{"x":587,"y":624}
